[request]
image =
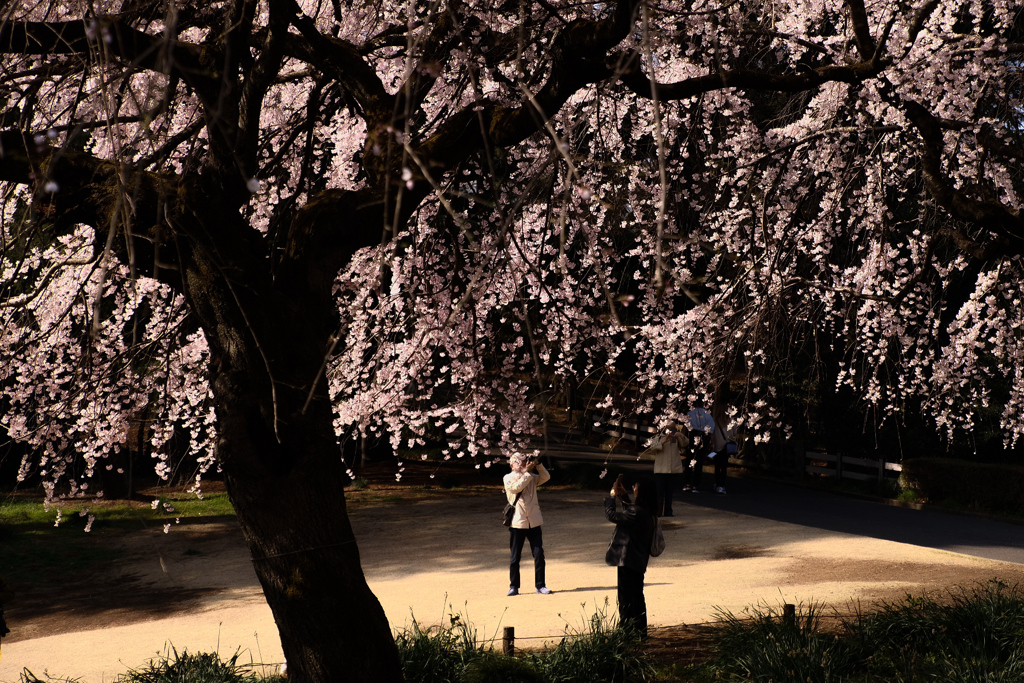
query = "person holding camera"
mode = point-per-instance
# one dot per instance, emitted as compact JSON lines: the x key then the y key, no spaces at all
{"x":521,"y":491}
{"x":669,"y":451}
{"x":630,"y":547}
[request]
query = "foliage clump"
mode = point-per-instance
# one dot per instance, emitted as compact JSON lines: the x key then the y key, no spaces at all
{"x":455,"y":654}
{"x":964,"y":635}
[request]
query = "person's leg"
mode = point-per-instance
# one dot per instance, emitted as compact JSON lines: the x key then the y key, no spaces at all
{"x":721,"y":465}
{"x":537,"y":547}
{"x":641,"y":604}
{"x":663,"y":481}
{"x":698,"y":468}
{"x":516,"y":538}
{"x":632,"y":605}
{"x":624,"y":597}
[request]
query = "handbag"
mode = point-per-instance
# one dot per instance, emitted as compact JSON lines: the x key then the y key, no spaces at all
{"x":657,"y":540}
{"x":510,"y":511}
{"x":730,"y":445}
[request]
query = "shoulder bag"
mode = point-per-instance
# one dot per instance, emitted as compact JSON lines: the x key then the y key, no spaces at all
{"x":510,"y":511}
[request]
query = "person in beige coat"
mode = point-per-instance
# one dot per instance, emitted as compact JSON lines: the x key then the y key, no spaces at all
{"x":522,"y":482}
{"x":669,"y":450}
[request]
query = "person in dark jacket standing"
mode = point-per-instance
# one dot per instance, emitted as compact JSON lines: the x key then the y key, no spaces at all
{"x":630,"y":548}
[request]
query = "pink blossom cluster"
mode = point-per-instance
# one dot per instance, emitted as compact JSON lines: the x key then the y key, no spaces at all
{"x":654,"y":238}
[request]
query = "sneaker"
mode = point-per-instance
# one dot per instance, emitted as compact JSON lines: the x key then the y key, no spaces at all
{"x":544,"y":590}
{"x":720,"y":489}
{"x":513,"y":591}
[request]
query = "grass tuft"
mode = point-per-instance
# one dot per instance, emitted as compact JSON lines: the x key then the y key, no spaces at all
{"x":438,"y":654}
{"x":967,"y":635}
{"x":200,"y":667}
{"x":29,"y":677}
{"x":599,"y":652}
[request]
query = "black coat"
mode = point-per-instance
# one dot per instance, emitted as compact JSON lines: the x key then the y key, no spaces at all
{"x":634,"y":529}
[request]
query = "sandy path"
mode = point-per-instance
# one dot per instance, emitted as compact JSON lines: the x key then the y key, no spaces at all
{"x":435,"y":557}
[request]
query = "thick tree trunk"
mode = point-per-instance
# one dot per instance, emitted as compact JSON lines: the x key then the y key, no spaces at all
{"x":268,"y":338}
{"x":289,"y":500}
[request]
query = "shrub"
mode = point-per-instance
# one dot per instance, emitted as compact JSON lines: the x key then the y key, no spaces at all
{"x":968,"y":636}
{"x":495,"y":668}
{"x":995,"y":488}
{"x":600,"y":653}
{"x":766,"y":647}
{"x":974,"y":634}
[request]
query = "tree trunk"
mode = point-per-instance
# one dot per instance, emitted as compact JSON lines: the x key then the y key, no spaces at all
{"x":289,"y":499}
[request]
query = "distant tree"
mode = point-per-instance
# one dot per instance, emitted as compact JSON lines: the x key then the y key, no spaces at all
{"x":272,"y":225}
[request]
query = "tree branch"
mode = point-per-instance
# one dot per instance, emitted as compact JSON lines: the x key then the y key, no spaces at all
{"x":861,"y":30}
{"x":81,"y":37}
{"x":72,"y":188}
{"x":1003,"y":221}
{"x":341,"y":61}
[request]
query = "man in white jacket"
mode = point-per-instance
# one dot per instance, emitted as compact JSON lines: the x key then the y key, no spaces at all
{"x":526,"y":475}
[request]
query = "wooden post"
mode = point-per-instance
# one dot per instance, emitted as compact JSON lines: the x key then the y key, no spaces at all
{"x":508,"y":641}
{"x":789,"y":615}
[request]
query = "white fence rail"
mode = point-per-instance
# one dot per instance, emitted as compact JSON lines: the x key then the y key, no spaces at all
{"x":624,"y":430}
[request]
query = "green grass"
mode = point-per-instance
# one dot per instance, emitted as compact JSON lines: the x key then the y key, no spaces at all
{"x":598,"y":652}
{"x":200,"y":667}
{"x":180,"y":667}
{"x":37,"y":551}
{"x":453,"y":653}
{"x":23,"y":512}
{"x":967,"y":635}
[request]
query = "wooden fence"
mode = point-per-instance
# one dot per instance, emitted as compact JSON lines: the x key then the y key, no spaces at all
{"x":850,"y":467}
{"x":625,"y":430}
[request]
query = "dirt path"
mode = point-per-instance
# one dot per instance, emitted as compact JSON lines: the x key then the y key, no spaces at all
{"x":195,"y":587}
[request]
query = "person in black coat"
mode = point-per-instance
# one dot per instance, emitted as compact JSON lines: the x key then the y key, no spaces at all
{"x":630,"y":547}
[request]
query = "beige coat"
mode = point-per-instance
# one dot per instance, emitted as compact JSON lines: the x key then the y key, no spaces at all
{"x":667,"y":458}
{"x":528,"y":508}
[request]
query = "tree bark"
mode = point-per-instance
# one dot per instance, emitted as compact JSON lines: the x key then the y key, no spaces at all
{"x":277,"y":446}
{"x":287,"y":490}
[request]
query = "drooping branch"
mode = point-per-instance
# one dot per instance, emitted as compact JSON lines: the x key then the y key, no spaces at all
{"x":747,"y":79}
{"x":435,"y":51}
{"x":1004,"y":222}
{"x":71,"y":188}
{"x":577,"y":57}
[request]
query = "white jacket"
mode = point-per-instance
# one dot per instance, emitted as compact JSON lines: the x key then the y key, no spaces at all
{"x":527,"y":509}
